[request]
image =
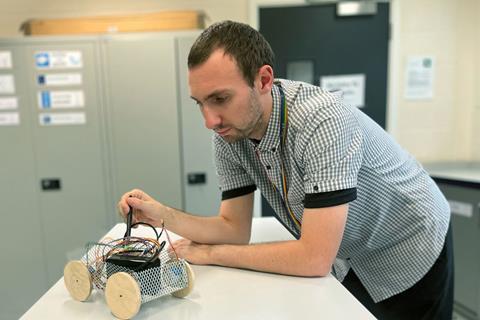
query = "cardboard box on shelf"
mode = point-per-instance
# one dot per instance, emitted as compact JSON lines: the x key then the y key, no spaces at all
{"x":158,"y":21}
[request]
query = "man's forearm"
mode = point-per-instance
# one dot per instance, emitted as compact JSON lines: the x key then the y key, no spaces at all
{"x":311,"y":255}
{"x":208,"y":230}
{"x":286,"y":257}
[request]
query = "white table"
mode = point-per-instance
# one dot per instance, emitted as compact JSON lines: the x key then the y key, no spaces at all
{"x":222,"y":293}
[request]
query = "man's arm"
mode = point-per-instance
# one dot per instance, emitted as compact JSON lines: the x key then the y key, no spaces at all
{"x":232,"y":225}
{"x":312,"y":255}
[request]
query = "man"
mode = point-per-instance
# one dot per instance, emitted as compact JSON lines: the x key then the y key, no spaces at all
{"x":349,"y":194}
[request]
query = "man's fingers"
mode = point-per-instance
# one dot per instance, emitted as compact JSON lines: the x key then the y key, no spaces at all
{"x":125,"y":208}
{"x":135,"y":203}
{"x":121,"y":209}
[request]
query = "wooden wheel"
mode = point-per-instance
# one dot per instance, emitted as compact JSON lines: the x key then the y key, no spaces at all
{"x":77,"y":280}
{"x":123,"y":295}
{"x":191,"y":280}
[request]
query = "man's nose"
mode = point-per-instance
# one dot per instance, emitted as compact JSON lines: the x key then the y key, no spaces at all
{"x":212,"y":119}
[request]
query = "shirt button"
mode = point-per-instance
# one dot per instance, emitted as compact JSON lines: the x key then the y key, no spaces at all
{"x":268,"y":167}
{"x":273,"y":149}
{"x":315,"y":188}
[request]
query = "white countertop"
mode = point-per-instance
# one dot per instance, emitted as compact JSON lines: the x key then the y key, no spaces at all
{"x":222,"y":293}
{"x":461,"y":171}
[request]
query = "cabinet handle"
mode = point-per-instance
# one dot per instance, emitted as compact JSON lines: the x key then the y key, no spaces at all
{"x":197,"y":178}
{"x":50,"y":184}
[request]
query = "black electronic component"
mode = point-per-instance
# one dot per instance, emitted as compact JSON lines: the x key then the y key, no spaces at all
{"x":137,"y":264}
{"x":132,"y":262}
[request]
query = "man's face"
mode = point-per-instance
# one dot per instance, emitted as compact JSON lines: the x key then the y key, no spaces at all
{"x":228,"y":104}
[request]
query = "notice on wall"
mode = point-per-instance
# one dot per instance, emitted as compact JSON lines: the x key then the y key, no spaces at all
{"x":60,"y":79}
{"x":419,"y":78}
{"x":464,"y":209}
{"x":61,"y":99}
{"x":67,"y":118}
{"x":8,"y":103}
{"x":59,"y":60}
{"x":9,"y":119}
{"x":7,"y":84}
{"x":5,"y":60}
{"x":351,"y":85}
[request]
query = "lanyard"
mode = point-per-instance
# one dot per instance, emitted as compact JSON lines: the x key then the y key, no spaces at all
{"x":283,"y":139}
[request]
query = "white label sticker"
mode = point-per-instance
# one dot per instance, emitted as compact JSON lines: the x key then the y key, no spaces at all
{"x":71,"y":118}
{"x":9,"y":119}
{"x":7,"y":84}
{"x":461,"y":208}
{"x":419,"y":78}
{"x":8,"y":103}
{"x":60,"y":79}
{"x":351,"y":85}
{"x":59,"y":60}
{"x":60,"y":99}
{"x":5,"y":60}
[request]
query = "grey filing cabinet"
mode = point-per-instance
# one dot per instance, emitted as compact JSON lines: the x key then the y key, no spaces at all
{"x":23,"y":268}
{"x":158,"y":140}
{"x":143,"y":113}
{"x":70,"y":160}
{"x":464,"y":198}
{"x":53,"y":187}
{"x":60,"y":181}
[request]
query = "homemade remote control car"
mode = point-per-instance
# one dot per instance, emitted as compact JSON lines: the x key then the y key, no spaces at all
{"x":130,"y":270}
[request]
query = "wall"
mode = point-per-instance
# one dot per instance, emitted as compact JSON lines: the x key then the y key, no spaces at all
{"x":475,"y":132}
{"x":440,"y":129}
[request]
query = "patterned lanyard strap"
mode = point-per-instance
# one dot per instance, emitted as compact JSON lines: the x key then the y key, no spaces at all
{"x":283,"y":139}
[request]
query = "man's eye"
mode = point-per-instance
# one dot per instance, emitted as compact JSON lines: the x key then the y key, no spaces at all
{"x":219,"y":100}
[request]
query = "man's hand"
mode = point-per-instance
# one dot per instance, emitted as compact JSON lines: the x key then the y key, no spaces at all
{"x":145,"y":208}
{"x":193,"y":252}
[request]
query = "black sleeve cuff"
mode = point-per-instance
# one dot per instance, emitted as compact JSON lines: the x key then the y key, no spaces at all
{"x":329,"y":199}
{"x":229,"y":194}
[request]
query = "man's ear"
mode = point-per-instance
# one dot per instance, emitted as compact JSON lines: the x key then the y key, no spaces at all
{"x":265,"y":79}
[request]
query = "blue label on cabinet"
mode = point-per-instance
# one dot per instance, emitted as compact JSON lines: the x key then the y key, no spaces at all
{"x":47,"y":119}
{"x":41,"y":79}
{"x":42,"y":60}
{"x":46,"y":102}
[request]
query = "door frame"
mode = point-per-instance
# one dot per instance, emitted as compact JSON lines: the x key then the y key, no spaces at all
{"x":393,"y":69}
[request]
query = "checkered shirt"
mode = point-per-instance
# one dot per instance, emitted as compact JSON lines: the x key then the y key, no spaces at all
{"x":397,"y":224}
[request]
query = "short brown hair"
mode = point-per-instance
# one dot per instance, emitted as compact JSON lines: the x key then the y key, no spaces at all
{"x":245,"y":44}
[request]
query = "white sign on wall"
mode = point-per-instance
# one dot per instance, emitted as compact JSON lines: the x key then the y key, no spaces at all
{"x":461,"y":208}
{"x":351,"y":85}
{"x":59,"y":59}
{"x":66,"y":118}
{"x":9,"y":119}
{"x":419,"y":77}
{"x":7,"y":84}
{"x":5,"y":60}
{"x":60,"y":99}
{"x":60,"y":79}
{"x":8,"y":103}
